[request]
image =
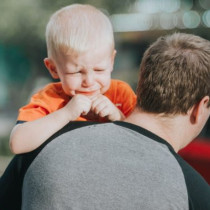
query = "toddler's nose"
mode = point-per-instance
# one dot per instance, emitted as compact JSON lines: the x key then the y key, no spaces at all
{"x":88,"y":79}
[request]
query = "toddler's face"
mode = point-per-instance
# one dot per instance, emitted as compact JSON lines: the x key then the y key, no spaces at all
{"x":87,"y":73}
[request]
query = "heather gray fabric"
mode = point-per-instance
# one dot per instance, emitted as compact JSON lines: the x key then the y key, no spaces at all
{"x":85,"y":169}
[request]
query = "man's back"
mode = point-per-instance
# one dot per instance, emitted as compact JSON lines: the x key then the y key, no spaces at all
{"x":86,"y":169}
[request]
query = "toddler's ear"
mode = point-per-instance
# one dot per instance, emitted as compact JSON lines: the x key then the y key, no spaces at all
{"x":113,"y":55}
{"x":50,"y":65}
{"x":113,"y":58}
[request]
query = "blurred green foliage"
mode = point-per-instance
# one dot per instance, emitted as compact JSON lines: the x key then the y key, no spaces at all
{"x":4,"y":146}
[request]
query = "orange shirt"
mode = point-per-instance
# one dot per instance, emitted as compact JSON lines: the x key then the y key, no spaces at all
{"x":52,"y":98}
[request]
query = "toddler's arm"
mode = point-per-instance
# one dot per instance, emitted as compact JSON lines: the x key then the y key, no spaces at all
{"x":102,"y":106}
{"x":29,"y":135}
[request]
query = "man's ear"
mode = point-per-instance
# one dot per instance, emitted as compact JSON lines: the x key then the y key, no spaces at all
{"x":200,"y":110}
{"x":50,"y":65}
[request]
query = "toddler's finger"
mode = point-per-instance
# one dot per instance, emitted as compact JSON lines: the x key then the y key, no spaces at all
{"x":100,"y":107}
{"x":104,"y":112}
{"x":97,"y":102}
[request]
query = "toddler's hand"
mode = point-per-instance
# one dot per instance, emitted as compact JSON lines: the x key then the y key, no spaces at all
{"x":103,"y":107}
{"x":79,"y":104}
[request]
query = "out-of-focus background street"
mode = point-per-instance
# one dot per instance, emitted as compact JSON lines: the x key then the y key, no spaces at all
{"x":137,"y":23}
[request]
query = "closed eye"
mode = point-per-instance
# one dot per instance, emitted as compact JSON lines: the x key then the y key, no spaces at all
{"x":72,"y":73}
{"x":99,"y":70}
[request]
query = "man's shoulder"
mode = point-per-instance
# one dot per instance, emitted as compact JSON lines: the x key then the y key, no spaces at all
{"x":120,"y":161}
{"x":198,"y":189}
{"x":27,"y":159}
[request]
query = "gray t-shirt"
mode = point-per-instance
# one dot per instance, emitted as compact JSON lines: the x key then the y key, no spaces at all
{"x":92,"y":166}
{"x":104,"y":166}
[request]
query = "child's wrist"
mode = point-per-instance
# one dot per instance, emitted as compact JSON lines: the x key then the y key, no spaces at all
{"x":66,"y":115}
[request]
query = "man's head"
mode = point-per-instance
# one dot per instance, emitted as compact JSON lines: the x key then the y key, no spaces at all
{"x":173,"y":89}
{"x":80,"y":47}
{"x":174,"y":74}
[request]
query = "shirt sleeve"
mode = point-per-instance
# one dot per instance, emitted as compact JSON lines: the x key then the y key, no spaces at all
{"x":41,"y":104}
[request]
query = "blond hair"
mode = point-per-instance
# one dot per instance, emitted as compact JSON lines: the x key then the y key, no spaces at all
{"x":78,"y":28}
{"x":174,"y":74}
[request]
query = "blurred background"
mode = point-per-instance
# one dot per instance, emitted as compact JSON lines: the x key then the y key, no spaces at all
{"x":137,"y":23}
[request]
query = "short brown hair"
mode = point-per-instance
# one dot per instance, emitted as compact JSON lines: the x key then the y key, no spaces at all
{"x":174,"y":74}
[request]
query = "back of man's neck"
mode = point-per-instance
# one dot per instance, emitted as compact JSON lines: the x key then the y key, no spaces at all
{"x":164,"y":127}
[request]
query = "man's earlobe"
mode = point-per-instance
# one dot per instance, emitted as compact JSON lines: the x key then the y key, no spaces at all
{"x":50,"y":65}
{"x":199,"y":109}
{"x":193,"y":113}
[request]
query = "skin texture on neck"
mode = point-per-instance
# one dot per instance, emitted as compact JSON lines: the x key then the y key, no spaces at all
{"x":171,"y":128}
{"x":177,"y":129}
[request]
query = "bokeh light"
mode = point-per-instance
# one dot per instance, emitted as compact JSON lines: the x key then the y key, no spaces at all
{"x":205,"y":4}
{"x":167,"y":21}
{"x":178,"y":20}
{"x":206,"y":18}
{"x":131,"y":22}
{"x":191,"y":19}
{"x":170,"y":6}
{"x":156,"y":6}
{"x":148,"y":6}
